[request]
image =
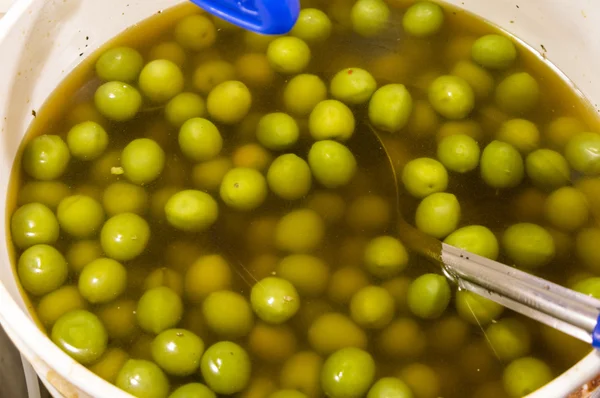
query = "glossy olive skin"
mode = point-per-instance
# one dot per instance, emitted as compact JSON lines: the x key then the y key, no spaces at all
{"x":348,"y":372}
{"x":226,"y":368}
{"x":177,"y":351}
{"x":143,"y":379}
{"x":81,"y":335}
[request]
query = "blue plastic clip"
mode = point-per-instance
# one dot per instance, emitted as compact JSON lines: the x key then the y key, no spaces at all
{"x":269,"y":17}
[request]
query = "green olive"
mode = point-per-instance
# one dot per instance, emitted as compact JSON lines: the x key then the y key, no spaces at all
{"x":333,"y":331}
{"x":193,"y":390}
{"x":353,"y":86}
{"x":428,"y":296}
{"x":424,"y":176}
{"x":80,"y":334}
{"x":475,"y":239}
{"x":582,"y":153}
{"x":170,"y":50}
{"x":178,"y":351}
{"x":518,"y":93}
{"x":200,"y":140}
{"x":300,"y":231}
{"x":529,"y":245}
{"x":509,"y":338}
{"x":312,"y":26}
{"x":547,"y":169}
{"x":229,"y":102}
{"x":42,"y":269}
{"x":87,"y":140}
{"x":308,"y":274}
{"x":567,"y":209}
{"x":110,"y":364}
{"x":124,"y":236}
{"x":228,"y":314}
{"x":243,"y":188}
{"x":195,"y":32}
{"x":160,"y":80}
{"x":348,"y":372}
{"x":191,"y":210}
{"x":57,"y":303}
{"x":438,"y":214}
{"x":332,"y":164}
{"x":525,"y":375}
{"x":119,"y":63}
{"x":142,"y":160}
{"x":164,"y":276}
{"x":47,"y":193}
{"x":452,"y":97}
{"x":390,"y":387}
{"x":159,"y":309}
{"x":80,"y":216}
{"x":476,"y":309}
{"x":274,"y":300}
{"x":331,"y":120}
{"x":501,"y":165}
{"x":390,"y":108}
{"x":459,"y":153}
{"x":119,"y":318}
{"x":46,"y":157}
{"x":118,"y":101}
{"x":423,"y":381}
{"x":369,"y":17}
{"x":403,"y":338}
{"x":423,"y":19}
{"x":277,"y":131}
{"x":302,"y":372}
{"x":287,"y":394}
{"x":33,"y":224}
{"x":81,"y":253}
{"x":205,"y":275}
{"x":183,"y":107}
{"x":302,"y":93}
{"x":289,"y":177}
{"x":102,"y":280}
{"x":143,"y":379}
{"x":372,"y":307}
{"x":288,"y":55}
{"x":494,"y":52}
{"x":226,"y":368}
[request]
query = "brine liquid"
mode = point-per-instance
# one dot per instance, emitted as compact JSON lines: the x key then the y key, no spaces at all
{"x":245,"y":239}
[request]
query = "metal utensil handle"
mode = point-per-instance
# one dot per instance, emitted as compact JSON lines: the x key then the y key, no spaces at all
{"x":566,"y":310}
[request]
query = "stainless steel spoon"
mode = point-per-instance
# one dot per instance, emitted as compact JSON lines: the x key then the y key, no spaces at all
{"x":573,"y":313}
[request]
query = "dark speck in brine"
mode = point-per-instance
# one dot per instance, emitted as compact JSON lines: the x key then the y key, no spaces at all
{"x":81,"y":54}
{"x":33,"y":113}
{"x":543,"y":48}
{"x":518,"y":6}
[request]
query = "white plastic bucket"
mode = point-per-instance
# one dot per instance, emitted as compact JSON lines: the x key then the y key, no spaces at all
{"x":41,"y":41}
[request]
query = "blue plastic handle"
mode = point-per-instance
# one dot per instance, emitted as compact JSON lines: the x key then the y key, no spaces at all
{"x":269,"y":17}
{"x":596,"y":335}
